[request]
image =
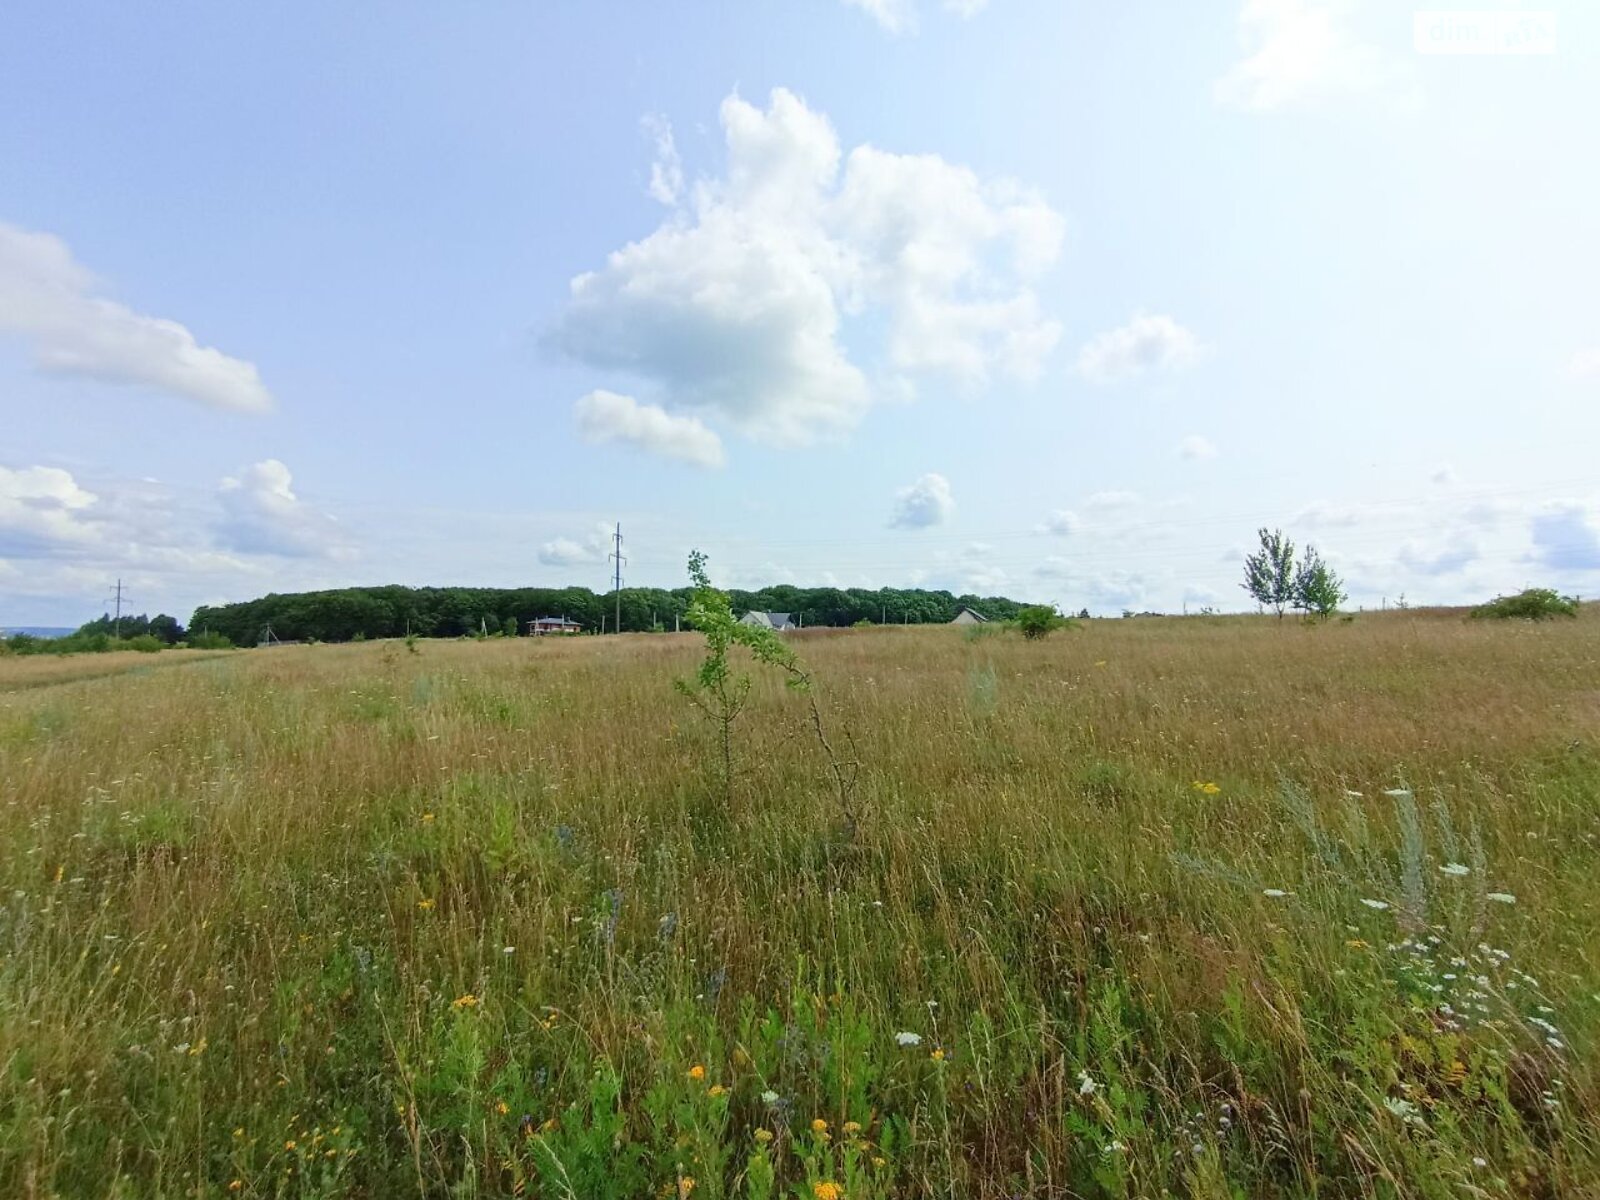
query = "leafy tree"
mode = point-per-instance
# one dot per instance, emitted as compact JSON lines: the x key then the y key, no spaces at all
{"x":1317,"y":590}
{"x":1269,"y":572}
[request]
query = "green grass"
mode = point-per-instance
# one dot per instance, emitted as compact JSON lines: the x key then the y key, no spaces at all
{"x":350,"y":921}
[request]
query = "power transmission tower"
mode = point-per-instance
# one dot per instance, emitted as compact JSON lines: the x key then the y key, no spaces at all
{"x":616,"y":556}
{"x":118,"y":595}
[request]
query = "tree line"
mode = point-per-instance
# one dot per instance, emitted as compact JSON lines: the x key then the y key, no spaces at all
{"x":347,"y":614}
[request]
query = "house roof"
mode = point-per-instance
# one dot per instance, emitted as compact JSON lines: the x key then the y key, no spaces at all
{"x":771,"y":620}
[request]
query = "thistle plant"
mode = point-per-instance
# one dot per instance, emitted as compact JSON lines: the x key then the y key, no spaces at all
{"x":721,"y":693}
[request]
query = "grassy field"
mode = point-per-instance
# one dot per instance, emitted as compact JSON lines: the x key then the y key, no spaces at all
{"x":1201,"y":907}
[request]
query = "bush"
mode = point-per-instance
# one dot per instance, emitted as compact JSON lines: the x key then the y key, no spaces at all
{"x":1038,"y":620}
{"x":145,"y":643}
{"x":1534,"y":604}
{"x":206,"y":640}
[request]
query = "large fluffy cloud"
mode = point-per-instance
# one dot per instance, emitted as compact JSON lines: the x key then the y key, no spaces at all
{"x":925,"y":503}
{"x":608,"y":417}
{"x":1297,"y":51}
{"x":1145,"y":343}
{"x":53,"y":303}
{"x":43,"y":512}
{"x":735,"y":307}
{"x":262,"y":515}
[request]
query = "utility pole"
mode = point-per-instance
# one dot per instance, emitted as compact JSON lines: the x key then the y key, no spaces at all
{"x":118,"y":597}
{"x":616,"y":556}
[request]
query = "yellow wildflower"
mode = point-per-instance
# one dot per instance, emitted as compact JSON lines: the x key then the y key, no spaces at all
{"x":819,"y":1126}
{"x":427,"y":818}
{"x":426,"y":905}
{"x":826,"y":1189}
{"x":465,"y":1000}
{"x":1356,"y":944}
{"x":502,"y":1108}
{"x":715,"y":1090}
{"x":938,"y":1054}
{"x":685,"y":1186}
{"x":235,"y":1185}
{"x":239,"y":1132}
{"x":289,"y":1145}
{"x":697,"y":1072}
{"x":763,"y":1136}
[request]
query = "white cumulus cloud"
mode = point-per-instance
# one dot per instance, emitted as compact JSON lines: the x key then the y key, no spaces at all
{"x":43,"y":512}
{"x":261,"y":514}
{"x":1062,"y":522}
{"x":608,"y":417}
{"x":1145,"y":343}
{"x":50,"y":301}
{"x":1297,"y":51}
{"x":666,"y":172}
{"x":736,"y":306}
{"x":926,"y":503}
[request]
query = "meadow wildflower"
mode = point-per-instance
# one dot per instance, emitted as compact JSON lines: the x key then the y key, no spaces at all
{"x":1397,"y":793}
{"x":465,"y":1000}
{"x":685,"y":1186}
{"x":427,"y":818}
{"x":715,"y":1090}
{"x":769,"y":1097}
{"x":426,"y":904}
{"x":1379,"y":905}
{"x":819,"y":1127}
{"x":1501,"y":897}
{"x":1209,"y":789}
{"x":1275,"y":893}
{"x":1456,"y":868}
{"x":938,"y":1054}
{"x":906,"y":1038}
{"x":235,"y":1185}
{"x":826,"y":1189}
{"x":1086,"y":1085}
{"x":502,"y":1108}
{"x":763,"y":1136}
{"x":697,"y":1072}
{"x":851,"y":1128}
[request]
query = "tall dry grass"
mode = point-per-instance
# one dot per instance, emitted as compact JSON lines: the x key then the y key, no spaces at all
{"x":349,"y":920}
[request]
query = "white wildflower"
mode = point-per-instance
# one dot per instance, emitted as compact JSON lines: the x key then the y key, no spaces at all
{"x":1501,"y":897}
{"x":1086,"y":1085}
{"x":769,"y":1097}
{"x":1397,"y":793}
{"x":1380,"y":905}
{"x":906,"y":1038}
{"x":1275,"y":893}
{"x":1456,"y":868}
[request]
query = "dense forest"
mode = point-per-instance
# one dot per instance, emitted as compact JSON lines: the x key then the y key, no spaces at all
{"x":394,"y":611}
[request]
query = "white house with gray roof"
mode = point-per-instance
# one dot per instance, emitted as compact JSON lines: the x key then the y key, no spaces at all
{"x":780,"y":622}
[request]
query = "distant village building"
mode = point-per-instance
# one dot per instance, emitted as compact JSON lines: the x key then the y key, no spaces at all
{"x":779,"y":622}
{"x":968,"y":616}
{"x":540,"y":626}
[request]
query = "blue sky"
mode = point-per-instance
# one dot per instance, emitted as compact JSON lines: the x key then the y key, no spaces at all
{"x":1049,"y":299}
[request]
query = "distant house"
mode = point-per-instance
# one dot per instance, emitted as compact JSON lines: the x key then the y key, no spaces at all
{"x":540,"y":626}
{"x":968,"y":616}
{"x":770,"y":620}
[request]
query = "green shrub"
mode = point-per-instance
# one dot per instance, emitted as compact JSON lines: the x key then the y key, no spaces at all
{"x":207,"y":640}
{"x":1038,"y":620}
{"x":145,"y":643}
{"x":1534,"y":604}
